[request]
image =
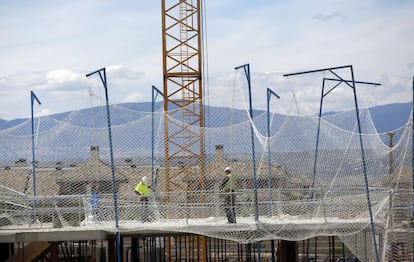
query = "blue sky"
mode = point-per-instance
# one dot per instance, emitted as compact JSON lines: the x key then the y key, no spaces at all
{"x":49,"y":46}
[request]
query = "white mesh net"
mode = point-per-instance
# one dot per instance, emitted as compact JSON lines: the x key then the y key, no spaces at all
{"x":288,"y":190}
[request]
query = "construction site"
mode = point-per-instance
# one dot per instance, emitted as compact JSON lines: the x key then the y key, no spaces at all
{"x":310,"y":187}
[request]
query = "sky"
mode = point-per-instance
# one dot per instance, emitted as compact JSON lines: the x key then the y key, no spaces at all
{"x":48,"y":46}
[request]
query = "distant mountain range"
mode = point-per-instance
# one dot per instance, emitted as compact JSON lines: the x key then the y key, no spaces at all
{"x":132,"y":135}
{"x":386,"y":117}
{"x":391,"y":116}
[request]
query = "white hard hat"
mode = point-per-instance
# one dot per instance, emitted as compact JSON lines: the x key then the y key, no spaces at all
{"x":228,"y":169}
{"x":145,"y":180}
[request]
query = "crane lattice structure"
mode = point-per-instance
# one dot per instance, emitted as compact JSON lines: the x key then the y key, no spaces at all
{"x":183,"y":92}
{"x":183,"y":100}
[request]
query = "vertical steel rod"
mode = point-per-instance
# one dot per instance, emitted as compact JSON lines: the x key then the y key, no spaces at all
{"x":102,"y":74}
{"x":364,"y":165}
{"x":33,"y":97}
{"x":155,"y":92}
{"x":269,"y":172}
{"x":246,"y":69}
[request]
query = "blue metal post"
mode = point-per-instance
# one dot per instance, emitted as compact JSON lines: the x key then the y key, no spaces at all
{"x":412,"y":150}
{"x":102,"y":74}
{"x":246,"y":68}
{"x":33,"y":97}
{"x":364,"y":165}
{"x":315,"y":161}
{"x":269,"y":171}
{"x":155,"y":92}
{"x":317,"y":137}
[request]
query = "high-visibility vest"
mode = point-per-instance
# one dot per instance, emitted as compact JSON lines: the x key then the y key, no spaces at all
{"x":231,"y":183}
{"x":142,"y":189}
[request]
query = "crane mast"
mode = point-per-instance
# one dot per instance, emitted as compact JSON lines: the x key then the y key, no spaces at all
{"x":183,"y":106}
{"x":183,"y":94}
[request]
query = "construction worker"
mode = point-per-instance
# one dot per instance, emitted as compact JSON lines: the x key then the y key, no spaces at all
{"x":143,"y":190}
{"x":229,"y":187}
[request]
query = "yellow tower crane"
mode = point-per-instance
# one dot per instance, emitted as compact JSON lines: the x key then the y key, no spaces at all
{"x":183,"y":94}
{"x":183,"y":101}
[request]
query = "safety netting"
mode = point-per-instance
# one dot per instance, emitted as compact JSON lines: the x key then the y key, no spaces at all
{"x":298,"y":175}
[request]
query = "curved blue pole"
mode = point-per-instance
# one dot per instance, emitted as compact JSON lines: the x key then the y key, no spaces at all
{"x":155,"y":92}
{"x":412,"y":150}
{"x":315,"y":161}
{"x":33,"y":98}
{"x":364,"y":165}
{"x":246,"y":68}
{"x":102,"y":74}
{"x":269,"y":173}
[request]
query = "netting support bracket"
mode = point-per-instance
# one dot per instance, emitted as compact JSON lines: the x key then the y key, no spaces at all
{"x":33,"y":98}
{"x":102,"y":75}
{"x":155,"y":92}
{"x":412,"y":153}
{"x":246,"y":68}
{"x":339,"y":81}
{"x":269,"y":171}
{"x":351,"y":83}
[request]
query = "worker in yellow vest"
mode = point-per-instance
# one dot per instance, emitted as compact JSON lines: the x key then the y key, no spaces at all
{"x":143,"y":190}
{"x":229,"y":187}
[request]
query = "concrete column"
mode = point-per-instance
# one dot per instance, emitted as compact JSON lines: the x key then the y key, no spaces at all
{"x":6,"y":251}
{"x":134,"y":249}
{"x":288,"y":251}
{"x":111,"y":250}
{"x":54,"y":252}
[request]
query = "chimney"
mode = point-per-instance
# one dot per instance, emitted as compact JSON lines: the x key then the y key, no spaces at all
{"x":58,"y":165}
{"x":95,"y":152}
{"x":21,"y":162}
{"x":219,"y":153}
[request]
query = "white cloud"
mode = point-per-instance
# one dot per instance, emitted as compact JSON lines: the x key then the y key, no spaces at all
{"x":328,"y":17}
{"x":121,"y":72}
{"x":63,"y":79}
{"x":133,"y":97}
